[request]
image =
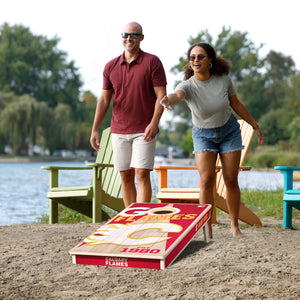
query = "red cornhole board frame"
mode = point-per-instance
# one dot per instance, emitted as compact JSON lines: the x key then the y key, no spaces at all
{"x":144,"y":235}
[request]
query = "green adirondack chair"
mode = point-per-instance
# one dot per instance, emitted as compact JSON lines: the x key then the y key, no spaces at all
{"x":89,"y":200}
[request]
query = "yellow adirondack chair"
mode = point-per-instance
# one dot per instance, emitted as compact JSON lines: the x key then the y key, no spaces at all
{"x":191,"y":195}
{"x":88,"y":200}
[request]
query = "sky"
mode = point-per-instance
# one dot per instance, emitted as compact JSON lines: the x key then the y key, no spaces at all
{"x":90,"y":30}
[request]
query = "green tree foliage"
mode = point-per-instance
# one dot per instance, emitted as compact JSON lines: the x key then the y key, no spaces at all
{"x":187,"y":142}
{"x":241,"y":51}
{"x":40,"y":97}
{"x":278,"y":67}
{"x":19,"y":121}
{"x":64,"y":130}
{"x":250,"y":92}
{"x":294,"y":129}
{"x":291,"y":100}
{"x":34,"y":65}
{"x":273,"y":125}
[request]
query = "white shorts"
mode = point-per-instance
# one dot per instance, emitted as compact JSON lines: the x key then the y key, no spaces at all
{"x":132,"y":151}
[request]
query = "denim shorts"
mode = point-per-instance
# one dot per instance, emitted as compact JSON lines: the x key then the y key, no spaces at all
{"x":224,"y":139}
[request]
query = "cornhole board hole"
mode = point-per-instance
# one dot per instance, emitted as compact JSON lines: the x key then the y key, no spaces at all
{"x":144,"y":235}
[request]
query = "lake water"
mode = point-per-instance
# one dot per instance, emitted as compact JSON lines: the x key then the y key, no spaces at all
{"x":24,"y":186}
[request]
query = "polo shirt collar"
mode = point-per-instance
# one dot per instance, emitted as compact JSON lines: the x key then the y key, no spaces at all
{"x":136,"y":60}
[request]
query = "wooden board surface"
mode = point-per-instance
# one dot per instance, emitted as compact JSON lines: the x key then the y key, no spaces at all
{"x":146,"y":235}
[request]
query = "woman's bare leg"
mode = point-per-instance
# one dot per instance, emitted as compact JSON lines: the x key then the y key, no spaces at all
{"x":206,"y":163}
{"x":230,"y":164}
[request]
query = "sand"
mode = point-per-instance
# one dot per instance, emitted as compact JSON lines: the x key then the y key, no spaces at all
{"x":35,"y":264}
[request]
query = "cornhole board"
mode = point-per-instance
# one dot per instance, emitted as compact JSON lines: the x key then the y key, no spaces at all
{"x":144,"y":235}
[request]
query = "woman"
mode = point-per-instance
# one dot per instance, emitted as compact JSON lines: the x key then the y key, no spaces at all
{"x":210,"y":95}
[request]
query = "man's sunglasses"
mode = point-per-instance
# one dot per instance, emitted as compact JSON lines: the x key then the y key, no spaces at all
{"x":199,"y":57}
{"x":132,"y":35}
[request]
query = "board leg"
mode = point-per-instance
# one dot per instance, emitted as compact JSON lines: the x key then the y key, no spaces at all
{"x":205,"y":232}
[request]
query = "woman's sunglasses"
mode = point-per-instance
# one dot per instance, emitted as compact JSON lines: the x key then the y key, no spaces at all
{"x":199,"y":57}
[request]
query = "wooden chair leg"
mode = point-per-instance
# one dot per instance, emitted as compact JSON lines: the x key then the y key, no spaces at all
{"x":287,"y":215}
{"x":214,"y":215}
{"x":53,"y":212}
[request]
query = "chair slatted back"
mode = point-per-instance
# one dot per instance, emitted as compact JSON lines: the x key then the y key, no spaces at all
{"x":111,"y":179}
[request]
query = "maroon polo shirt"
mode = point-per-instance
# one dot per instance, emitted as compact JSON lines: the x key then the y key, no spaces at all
{"x":134,"y":96}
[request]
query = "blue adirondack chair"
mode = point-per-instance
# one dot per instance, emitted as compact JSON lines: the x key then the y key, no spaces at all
{"x":291,"y":196}
{"x":89,"y":200}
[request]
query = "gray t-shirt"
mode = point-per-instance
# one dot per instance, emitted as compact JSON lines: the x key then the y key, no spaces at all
{"x":208,"y":100}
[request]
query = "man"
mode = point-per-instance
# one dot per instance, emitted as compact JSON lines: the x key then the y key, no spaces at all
{"x":137,"y":82}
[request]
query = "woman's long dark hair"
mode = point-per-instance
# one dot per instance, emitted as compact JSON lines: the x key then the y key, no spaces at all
{"x":220,"y":65}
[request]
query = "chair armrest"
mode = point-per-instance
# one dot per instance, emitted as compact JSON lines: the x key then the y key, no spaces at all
{"x":100,"y":165}
{"x":50,"y":168}
{"x":287,"y":168}
{"x":54,"y":171}
{"x":245,"y":168}
{"x":163,"y":173}
{"x":175,"y":168}
{"x":287,"y":172}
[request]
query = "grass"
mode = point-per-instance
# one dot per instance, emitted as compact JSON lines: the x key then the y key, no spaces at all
{"x":263,"y":203}
{"x":67,"y":215}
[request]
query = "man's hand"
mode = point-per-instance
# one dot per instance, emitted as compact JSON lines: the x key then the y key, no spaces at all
{"x":94,"y":140}
{"x":150,"y":133}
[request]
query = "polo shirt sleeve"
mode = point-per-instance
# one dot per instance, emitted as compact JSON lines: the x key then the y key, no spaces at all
{"x":158,"y":72}
{"x":107,"y":85}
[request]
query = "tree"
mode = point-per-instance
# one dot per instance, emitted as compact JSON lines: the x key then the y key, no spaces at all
{"x":63,"y":130}
{"x":294,"y":128}
{"x":291,"y":100}
{"x":279,"y":69}
{"x":187,"y":142}
{"x":278,"y":66}
{"x":274,"y":126}
{"x":34,"y":65}
{"x":241,"y":51}
{"x":250,"y":92}
{"x":19,"y":121}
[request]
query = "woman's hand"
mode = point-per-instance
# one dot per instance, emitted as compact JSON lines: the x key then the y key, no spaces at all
{"x":165,"y":103}
{"x":260,"y":136}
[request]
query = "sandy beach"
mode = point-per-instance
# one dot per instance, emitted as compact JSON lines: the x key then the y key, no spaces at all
{"x":35,"y":264}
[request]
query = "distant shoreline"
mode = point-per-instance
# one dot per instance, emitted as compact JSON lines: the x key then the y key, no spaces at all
{"x":175,"y":161}
{"x":19,"y":159}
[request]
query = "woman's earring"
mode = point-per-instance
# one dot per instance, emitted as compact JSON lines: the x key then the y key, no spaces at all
{"x":190,"y":67}
{"x":209,"y":65}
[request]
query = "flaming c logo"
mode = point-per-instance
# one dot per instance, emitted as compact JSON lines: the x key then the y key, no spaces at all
{"x":120,"y":234}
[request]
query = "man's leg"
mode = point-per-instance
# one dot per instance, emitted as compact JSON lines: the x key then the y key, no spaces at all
{"x":143,"y":162}
{"x":144,"y":185}
{"x":128,"y":187}
{"x":122,"y":149}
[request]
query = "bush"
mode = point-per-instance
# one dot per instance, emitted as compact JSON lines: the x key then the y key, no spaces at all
{"x":268,"y":157}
